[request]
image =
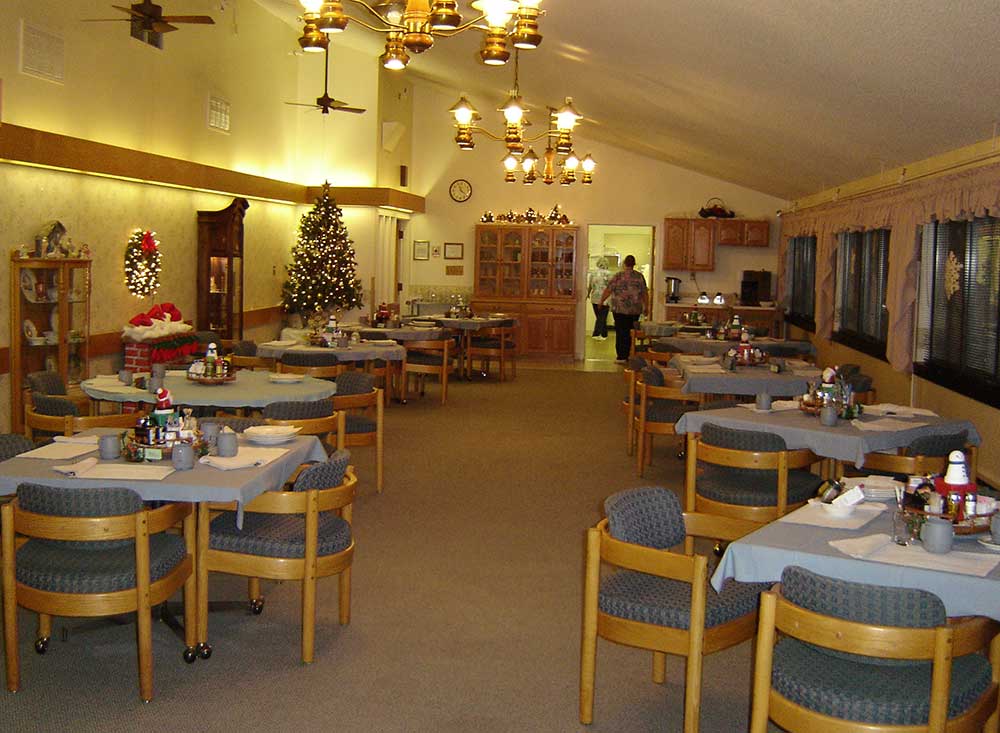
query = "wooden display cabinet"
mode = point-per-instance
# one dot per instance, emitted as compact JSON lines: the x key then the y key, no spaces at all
{"x":220,"y":270}
{"x":49,"y":324}
{"x":529,"y":271}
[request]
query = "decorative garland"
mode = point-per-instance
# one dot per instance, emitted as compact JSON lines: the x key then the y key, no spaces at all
{"x":142,"y":263}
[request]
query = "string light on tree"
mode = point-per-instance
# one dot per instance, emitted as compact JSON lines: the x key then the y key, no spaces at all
{"x":142,"y":263}
{"x":323,"y":273}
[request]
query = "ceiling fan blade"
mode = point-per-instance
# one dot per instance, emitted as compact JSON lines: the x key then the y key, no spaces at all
{"x":200,"y":19}
{"x":130,"y":11}
{"x":160,"y":27}
{"x":352,"y":110}
{"x":106,"y":20}
{"x":302,"y":104}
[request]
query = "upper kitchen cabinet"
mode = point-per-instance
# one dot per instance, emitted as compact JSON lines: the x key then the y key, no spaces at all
{"x":689,"y":244}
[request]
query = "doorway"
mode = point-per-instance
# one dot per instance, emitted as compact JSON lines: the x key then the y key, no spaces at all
{"x":608,"y":245}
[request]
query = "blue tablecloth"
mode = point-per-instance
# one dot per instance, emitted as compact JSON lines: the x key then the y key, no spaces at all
{"x":761,"y":556}
{"x":695,"y":344}
{"x":355,"y":352}
{"x":744,"y":380}
{"x":251,"y":389}
{"x":844,"y":442}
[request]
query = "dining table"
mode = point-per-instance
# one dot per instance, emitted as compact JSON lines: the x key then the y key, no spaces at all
{"x":848,"y":441}
{"x":967,"y":579}
{"x":368,"y":350}
{"x":467,"y":327}
{"x":707,"y":375}
{"x":157,"y":481}
{"x":696,"y":343}
{"x":249,"y":389}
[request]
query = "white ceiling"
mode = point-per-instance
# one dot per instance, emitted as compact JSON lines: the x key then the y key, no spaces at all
{"x":787,"y":97}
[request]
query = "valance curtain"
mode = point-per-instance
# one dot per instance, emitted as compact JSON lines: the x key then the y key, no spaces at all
{"x":903,"y":209}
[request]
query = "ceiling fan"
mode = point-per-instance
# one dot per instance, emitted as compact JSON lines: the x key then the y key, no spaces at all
{"x":326,"y":103}
{"x":151,"y":17}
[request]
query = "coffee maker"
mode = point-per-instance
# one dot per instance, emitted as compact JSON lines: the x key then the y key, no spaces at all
{"x":755,"y":287}
{"x":673,"y":289}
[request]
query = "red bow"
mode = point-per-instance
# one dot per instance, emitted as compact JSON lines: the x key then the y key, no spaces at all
{"x":148,"y":243}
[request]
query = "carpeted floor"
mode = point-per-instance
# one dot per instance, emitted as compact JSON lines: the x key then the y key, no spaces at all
{"x":466,"y":604}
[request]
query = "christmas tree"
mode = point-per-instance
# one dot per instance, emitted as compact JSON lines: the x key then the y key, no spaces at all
{"x":323,"y":273}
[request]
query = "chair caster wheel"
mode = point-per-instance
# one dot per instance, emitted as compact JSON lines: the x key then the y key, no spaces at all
{"x":42,"y":645}
{"x":257,"y":606}
{"x":190,"y":654}
{"x":204,"y":650}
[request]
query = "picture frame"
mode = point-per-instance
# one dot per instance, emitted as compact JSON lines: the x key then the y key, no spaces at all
{"x":454,"y":250}
{"x":421,"y":249}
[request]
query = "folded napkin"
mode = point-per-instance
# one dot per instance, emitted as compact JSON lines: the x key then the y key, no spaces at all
{"x":885,"y":424}
{"x":887,"y":408}
{"x":248,"y":457}
{"x":776,"y":406}
{"x":59,"y":451}
{"x":881,"y":548}
{"x":77,"y":439}
{"x":814,"y":514}
{"x":76,"y":469}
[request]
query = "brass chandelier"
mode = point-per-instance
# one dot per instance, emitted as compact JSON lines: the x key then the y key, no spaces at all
{"x":410,"y":26}
{"x":559,"y":140}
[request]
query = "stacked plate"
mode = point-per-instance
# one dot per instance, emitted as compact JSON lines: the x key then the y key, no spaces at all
{"x":270,"y":434}
{"x":284,"y":378}
{"x":875,"y":488}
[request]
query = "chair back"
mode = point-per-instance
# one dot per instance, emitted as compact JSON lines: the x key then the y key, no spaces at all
{"x":37,"y":504}
{"x":236,"y":424}
{"x":334,"y":423}
{"x":46,"y":382}
{"x":749,"y":449}
{"x":328,"y":486}
{"x":71,"y":424}
{"x":12,"y":444}
{"x":926,"y":454}
{"x":355,"y":383}
{"x":300,"y":410}
{"x":252,"y":362}
{"x":431,"y":346}
{"x":45,"y":404}
{"x":649,"y":516}
{"x":309,"y":359}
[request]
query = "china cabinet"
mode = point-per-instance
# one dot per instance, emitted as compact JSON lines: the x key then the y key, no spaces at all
{"x":49,"y":323}
{"x":220,"y":270}
{"x":529,"y":271}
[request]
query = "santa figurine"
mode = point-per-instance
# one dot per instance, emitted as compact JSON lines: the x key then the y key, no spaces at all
{"x":164,"y":407}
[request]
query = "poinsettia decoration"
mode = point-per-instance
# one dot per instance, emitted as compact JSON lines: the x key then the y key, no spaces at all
{"x":142,"y":263}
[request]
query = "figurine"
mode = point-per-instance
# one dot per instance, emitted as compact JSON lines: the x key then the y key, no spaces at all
{"x":85,"y":251}
{"x":22,"y":251}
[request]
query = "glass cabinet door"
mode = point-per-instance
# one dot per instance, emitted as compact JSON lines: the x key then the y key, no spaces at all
{"x":540,"y":266}
{"x":564,"y":254}
{"x":77,"y":333}
{"x":488,"y":262}
{"x":512,"y":241}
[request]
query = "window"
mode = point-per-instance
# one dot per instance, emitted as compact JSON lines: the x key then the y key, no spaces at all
{"x":957,"y":323}
{"x":801,"y":271}
{"x":861,"y":320}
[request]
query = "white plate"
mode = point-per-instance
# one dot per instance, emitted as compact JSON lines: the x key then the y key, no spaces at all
{"x":989,"y":544}
{"x":285,"y":378}
{"x":54,"y":319}
{"x":30,"y":331}
{"x":270,"y":439}
{"x":28,"y":281}
{"x":271,"y":431}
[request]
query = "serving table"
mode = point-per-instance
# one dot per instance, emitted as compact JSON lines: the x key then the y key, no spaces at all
{"x":761,"y":556}
{"x":249,"y":389}
{"x":844,"y":442}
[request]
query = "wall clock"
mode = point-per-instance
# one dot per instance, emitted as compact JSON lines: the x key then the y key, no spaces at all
{"x":460,"y":190}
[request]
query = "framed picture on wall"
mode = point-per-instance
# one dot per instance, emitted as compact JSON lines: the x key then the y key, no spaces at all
{"x":454,"y":250}
{"x":421,"y":249}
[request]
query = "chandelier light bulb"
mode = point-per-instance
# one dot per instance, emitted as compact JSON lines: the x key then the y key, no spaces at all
{"x":392,"y":11}
{"x":529,"y":161}
{"x":513,"y":110}
{"x":395,"y":57}
{"x":588,"y":164}
{"x":464,"y":112}
{"x":567,"y":116}
{"x":497,"y":12}
{"x":510,"y":163}
{"x":311,"y":6}
{"x":572,"y":162}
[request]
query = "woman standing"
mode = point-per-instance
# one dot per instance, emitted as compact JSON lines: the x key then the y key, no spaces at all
{"x":595,"y":289}
{"x":627,"y":290}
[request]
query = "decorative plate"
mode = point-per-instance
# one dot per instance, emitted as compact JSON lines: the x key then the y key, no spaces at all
{"x":54,"y":319}
{"x":28,"y":281}
{"x":30,"y":331}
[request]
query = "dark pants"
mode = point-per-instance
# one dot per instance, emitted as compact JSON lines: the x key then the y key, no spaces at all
{"x":624,"y":322}
{"x":601,"y":324}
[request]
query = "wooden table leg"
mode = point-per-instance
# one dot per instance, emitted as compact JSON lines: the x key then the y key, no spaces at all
{"x":201,"y":566}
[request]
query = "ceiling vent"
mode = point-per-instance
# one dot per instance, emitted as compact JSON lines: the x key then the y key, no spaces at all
{"x":42,"y":53}
{"x":218,"y":114}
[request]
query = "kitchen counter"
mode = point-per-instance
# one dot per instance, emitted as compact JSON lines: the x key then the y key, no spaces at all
{"x":764,"y":320}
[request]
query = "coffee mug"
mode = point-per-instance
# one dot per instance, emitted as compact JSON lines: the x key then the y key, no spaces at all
{"x":183,"y":456}
{"x":763,"y":401}
{"x":937,"y":534}
{"x":227,"y":444}
{"x":109,"y":447}
{"x":828,"y":416}
{"x":159,"y":371}
{"x":995,"y":528}
{"x":154,"y":384}
{"x":210,"y":432}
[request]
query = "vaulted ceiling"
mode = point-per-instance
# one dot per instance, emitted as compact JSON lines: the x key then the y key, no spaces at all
{"x":787,"y":98}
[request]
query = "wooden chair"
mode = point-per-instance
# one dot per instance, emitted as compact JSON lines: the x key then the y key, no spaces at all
{"x":302,"y":534}
{"x":927,"y":454}
{"x":750,"y":475}
{"x":94,"y":552}
{"x":331,"y":371}
{"x":361,"y":404}
{"x":315,"y":418}
{"x":252,"y":363}
{"x":640,"y":342}
{"x":51,"y":384}
{"x":427,"y":357}
{"x":71,"y":424}
{"x":494,"y":343}
{"x":659,"y":408}
{"x":855,"y":657}
{"x":658,"y":592}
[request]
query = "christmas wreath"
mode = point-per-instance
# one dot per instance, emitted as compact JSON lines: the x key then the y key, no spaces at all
{"x":142,"y":263}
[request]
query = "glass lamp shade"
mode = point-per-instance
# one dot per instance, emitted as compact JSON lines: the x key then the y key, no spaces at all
{"x":510,"y":163}
{"x":497,"y":12}
{"x":572,"y":162}
{"x":567,"y":116}
{"x":529,"y":161}
{"x":703,"y":299}
{"x":311,"y":6}
{"x":513,"y":110}
{"x":464,"y":112}
{"x":588,"y":164}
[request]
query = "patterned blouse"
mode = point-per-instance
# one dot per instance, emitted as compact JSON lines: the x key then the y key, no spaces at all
{"x":628,"y":292}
